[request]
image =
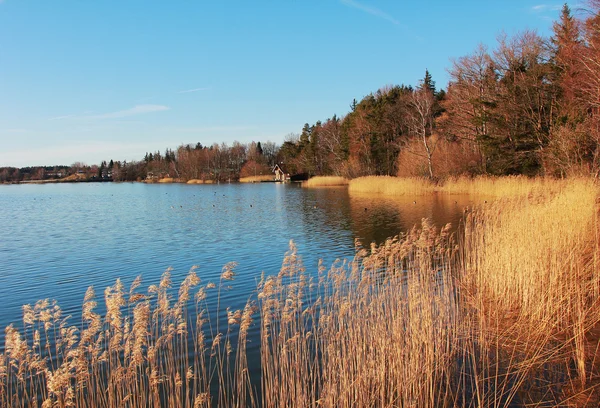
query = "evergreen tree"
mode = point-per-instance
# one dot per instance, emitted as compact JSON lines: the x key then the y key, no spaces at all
{"x":305,"y":136}
{"x":567,"y":51}
{"x":428,"y":83}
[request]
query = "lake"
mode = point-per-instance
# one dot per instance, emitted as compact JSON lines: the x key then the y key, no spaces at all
{"x":58,"y":239}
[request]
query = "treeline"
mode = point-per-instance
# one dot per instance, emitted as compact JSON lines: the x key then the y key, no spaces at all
{"x":528,"y":106}
{"x":218,"y":162}
{"x":14,"y":174}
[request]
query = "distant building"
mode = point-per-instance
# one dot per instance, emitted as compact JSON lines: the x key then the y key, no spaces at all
{"x":280,"y":175}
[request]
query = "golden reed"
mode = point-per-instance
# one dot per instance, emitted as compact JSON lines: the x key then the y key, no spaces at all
{"x":325,"y":181}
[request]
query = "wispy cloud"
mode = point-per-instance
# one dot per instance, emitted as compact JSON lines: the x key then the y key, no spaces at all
{"x":193,"y":90}
{"x":62,"y":117}
{"x":136,"y":110}
{"x":540,"y":8}
{"x":370,"y":10}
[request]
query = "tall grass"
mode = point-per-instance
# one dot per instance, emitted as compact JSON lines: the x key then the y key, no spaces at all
{"x":510,"y":186}
{"x":200,"y":181}
{"x":138,"y":354}
{"x":391,"y":185}
{"x":507,"y":314}
{"x":379,"y":331}
{"x":532,"y":263}
{"x":257,"y":179}
{"x":325,"y":181}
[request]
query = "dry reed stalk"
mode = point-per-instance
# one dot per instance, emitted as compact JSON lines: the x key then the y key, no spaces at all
{"x":136,"y":355}
{"x":506,"y":187}
{"x":199,"y":181}
{"x":257,"y":179}
{"x":391,"y":185}
{"x":381,"y":332}
{"x":531,"y":271}
{"x":325,"y":181}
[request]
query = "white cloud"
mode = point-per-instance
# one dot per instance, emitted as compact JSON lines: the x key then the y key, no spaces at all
{"x":193,"y":90}
{"x":540,"y":8}
{"x":136,"y":110}
{"x":370,"y":10}
{"x":62,"y":117}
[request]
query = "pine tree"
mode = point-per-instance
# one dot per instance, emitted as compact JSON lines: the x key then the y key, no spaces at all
{"x":428,"y":83}
{"x":567,"y":51}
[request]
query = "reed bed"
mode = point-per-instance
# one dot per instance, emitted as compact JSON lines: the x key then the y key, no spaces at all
{"x":508,"y":314}
{"x":147,"y":350}
{"x":393,"y":186}
{"x":325,"y":181}
{"x":510,"y":186}
{"x":257,"y":179}
{"x":531,"y":262}
{"x":199,"y":181}
{"x":166,"y":180}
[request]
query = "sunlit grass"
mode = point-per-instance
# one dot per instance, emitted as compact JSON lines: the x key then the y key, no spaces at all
{"x":200,"y":181}
{"x":257,"y":179}
{"x":388,"y":185}
{"x":325,"y":181}
{"x":512,"y":186}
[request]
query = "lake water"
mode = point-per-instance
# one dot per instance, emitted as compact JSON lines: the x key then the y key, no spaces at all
{"x":58,"y":239}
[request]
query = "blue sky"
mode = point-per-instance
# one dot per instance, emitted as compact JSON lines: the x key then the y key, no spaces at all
{"x":99,"y":80}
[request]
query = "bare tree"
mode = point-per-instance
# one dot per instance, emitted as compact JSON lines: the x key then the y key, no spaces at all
{"x":421,"y":121}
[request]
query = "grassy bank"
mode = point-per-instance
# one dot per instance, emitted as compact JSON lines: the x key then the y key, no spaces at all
{"x":199,"y":181}
{"x":257,"y":179}
{"x":325,"y":181}
{"x":506,"y":314}
{"x":393,"y":186}
{"x":514,"y":186}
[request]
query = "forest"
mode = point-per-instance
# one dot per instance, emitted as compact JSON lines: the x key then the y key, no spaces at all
{"x":529,"y":105}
